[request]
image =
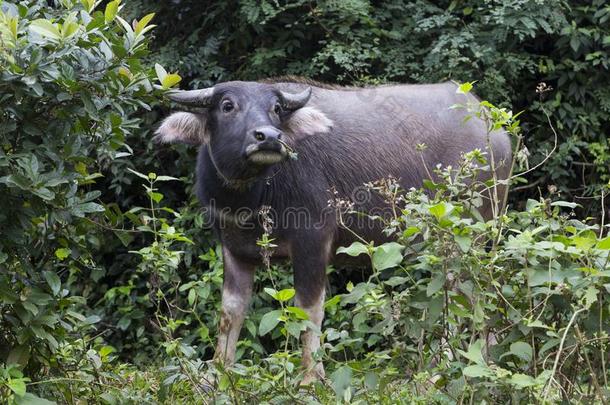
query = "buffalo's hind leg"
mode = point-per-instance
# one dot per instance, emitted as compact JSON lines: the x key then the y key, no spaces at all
{"x":309,"y":264}
{"x":236,"y":294}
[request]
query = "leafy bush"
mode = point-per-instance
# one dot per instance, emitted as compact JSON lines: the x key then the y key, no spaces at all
{"x":71,"y":81}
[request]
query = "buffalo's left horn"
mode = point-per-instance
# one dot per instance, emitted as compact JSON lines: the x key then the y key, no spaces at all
{"x":293,"y":101}
{"x":195,"y":98}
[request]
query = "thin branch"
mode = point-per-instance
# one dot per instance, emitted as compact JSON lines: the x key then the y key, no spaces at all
{"x":528,"y":186}
{"x":563,"y":340}
{"x":548,"y":156}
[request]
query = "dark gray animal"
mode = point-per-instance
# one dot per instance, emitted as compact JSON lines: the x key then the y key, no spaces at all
{"x":344,"y":137}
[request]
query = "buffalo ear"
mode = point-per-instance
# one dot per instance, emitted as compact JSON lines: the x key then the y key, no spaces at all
{"x":183,"y":127}
{"x":308,"y":121}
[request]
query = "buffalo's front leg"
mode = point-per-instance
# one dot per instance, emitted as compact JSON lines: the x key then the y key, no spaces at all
{"x":309,"y":266}
{"x":236,"y":294}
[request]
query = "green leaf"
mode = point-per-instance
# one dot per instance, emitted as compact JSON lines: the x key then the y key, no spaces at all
{"x":53,"y":281}
{"x":44,"y":193}
{"x":590,"y":296}
{"x":19,"y":355}
{"x":475,"y":353}
{"x":463,"y":241}
{"x":62,"y":253}
{"x":295,"y":328}
{"x":125,"y":25}
{"x":355,"y":249}
{"x":272,"y":292}
{"x":435,"y":284}
{"x":341,"y":380}
{"x":170,"y":80}
{"x":166,"y":178}
{"x":523,"y":350}
{"x":565,"y":204}
{"x":465,"y":88}
{"x":140,"y":25}
{"x":477,"y":370}
{"x":522,"y":380}
{"x":536,"y":324}
{"x":161,"y":72}
{"x":125,"y":237}
{"x":285,"y":294}
{"x":437,"y":210}
{"x":81,"y":209}
{"x":106,"y":350}
{"x":603,"y":244}
{"x":88,"y":4}
{"x":584,"y":241}
{"x":224,"y":383}
{"x":111,"y":10}
{"x":31,"y":399}
{"x":124,"y":322}
{"x":299,"y":312}
{"x":410,"y":231}
{"x":574,"y":43}
{"x":45,"y":28}
{"x":441,"y":210}
{"x":387,"y":255}
{"x":371,"y":380}
{"x":332,"y":302}
{"x":145,"y":177}
{"x":269,"y":321}
{"x":17,"y":386}
{"x":156,"y":197}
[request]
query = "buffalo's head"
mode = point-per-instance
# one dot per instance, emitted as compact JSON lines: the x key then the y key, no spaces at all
{"x":244,"y":123}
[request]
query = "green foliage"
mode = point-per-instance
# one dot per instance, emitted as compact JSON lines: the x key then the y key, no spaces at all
{"x":71,"y":80}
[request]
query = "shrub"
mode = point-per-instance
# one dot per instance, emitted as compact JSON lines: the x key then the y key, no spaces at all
{"x":71,"y":80}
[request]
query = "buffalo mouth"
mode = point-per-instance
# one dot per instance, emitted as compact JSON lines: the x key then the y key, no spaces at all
{"x":266,"y":153}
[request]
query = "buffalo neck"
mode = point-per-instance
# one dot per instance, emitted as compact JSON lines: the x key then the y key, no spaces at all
{"x":228,"y":185}
{"x":233,"y":172}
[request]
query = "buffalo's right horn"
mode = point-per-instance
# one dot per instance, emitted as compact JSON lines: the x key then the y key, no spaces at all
{"x":293,"y":101}
{"x":195,"y":98}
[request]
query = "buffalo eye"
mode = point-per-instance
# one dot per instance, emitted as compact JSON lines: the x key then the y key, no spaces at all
{"x":277,"y":109}
{"x":227,"y":106}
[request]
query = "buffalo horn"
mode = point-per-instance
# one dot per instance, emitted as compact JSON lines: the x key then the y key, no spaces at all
{"x":292,"y":101}
{"x":195,"y":98}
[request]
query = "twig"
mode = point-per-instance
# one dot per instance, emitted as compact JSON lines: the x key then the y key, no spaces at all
{"x":593,"y":375}
{"x":548,"y":155}
{"x":601,"y":226}
{"x":527,"y":186}
{"x":563,"y":340}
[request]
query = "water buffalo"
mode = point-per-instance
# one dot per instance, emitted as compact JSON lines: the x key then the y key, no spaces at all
{"x":343,"y":137}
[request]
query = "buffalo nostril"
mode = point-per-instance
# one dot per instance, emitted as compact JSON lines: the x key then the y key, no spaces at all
{"x":259,"y":136}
